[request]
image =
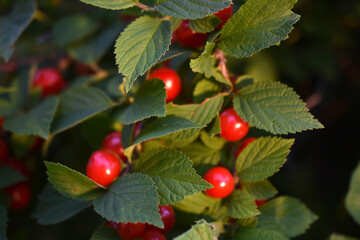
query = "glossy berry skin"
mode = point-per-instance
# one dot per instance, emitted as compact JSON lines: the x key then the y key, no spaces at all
{"x":152,"y":235}
{"x":4,"y":151}
{"x":130,"y":231}
{"x":113,"y":143}
{"x":49,"y":80}
{"x":168,"y":218}
{"x":259,"y":203}
{"x":103,"y":167}
{"x":233,"y":128}
{"x":222,"y":180}
{"x":187,"y":37}
{"x":20,"y":195}
{"x":224,"y":15}
{"x":172,"y":82}
{"x":244,"y":144}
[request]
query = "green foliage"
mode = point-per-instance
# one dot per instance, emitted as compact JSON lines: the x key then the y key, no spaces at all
{"x":352,"y":201}
{"x":241,"y":205}
{"x":9,"y":176}
{"x":105,"y":233}
{"x":111,"y":4}
{"x":71,"y":183}
{"x":150,"y":38}
{"x":286,"y":215}
{"x":262,"y":105}
{"x":52,"y":207}
{"x":201,"y":230}
{"x":191,"y":9}
{"x":149,"y":102}
{"x":259,"y":234}
{"x":172,"y":174}
{"x":3,"y":222}
{"x":258,"y":24}
{"x":35,"y":122}
{"x":13,"y":24}
{"x":204,"y":25}
{"x":205,"y":63}
{"x":131,"y":198}
{"x":336,"y":236}
{"x":262,"y":158}
{"x":205,"y":88}
{"x":259,"y":190}
{"x":198,"y":203}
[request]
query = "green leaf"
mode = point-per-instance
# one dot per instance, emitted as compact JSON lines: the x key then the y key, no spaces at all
{"x":150,"y":39}
{"x":93,"y":49}
{"x":262,"y":158}
{"x":258,"y":24}
{"x":205,"y":62}
{"x":149,"y":101}
{"x":259,"y":190}
{"x":164,"y":126}
{"x":35,"y":122}
{"x":104,"y":232}
{"x":3,"y":222}
{"x":9,"y":176}
{"x":13,"y":24}
{"x":71,"y":183}
{"x":241,"y":205}
{"x":111,"y":4}
{"x":131,"y":198}
{"x":287,"y":215}
{"x":52,"y":207}
{"x":95,"y":129}
{"x":197,"y":203}
{"x":243,"y":81}
{"x":336,"y":236}
{"x":352,"y":201}
{"x":259,"y":234}
{"x":205,"y":88}
{"x":73,"y":28}
{"x":274,"y":107}
{"x":77,"y":105}
{"x":200,"y":231}
{"x":199,"y":113}
{"x":191,"y":9}
{"x":204,"y":25}
{"x":172,"y":173}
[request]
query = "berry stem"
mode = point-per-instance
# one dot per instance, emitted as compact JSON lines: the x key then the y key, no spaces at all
{"x":220,"y":55}
{"x":144,"y":7}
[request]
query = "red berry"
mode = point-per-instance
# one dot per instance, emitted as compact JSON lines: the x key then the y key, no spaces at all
{"x":259,"y":203}
{"x":130,"y":231}
{"x":233,"y":128}
{"x":18,"y":165}
{"x":152,"y":235}
{"x":2,"y":119}
{"x":189,"y":38}
{"x":49,"y":80}
{"x":103,"y":167}
{"x":168,"y":218}
{"x":137,"y":129}
{"x":113,"y":143}
{"x":20,"y":195}
{"x":83,"y":69}
{"x":111,"y":224}
{"x":4,"y":151}
{"x":224,"y":15}
{"x":171,"y":79}
{"x":222,"y":180}
{"x":244,"y":144}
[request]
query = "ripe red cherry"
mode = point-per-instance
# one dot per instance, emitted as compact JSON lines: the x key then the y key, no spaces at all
{"x":111,"y":224}
{"x":137,"y":129}
{"x":224,"y":15}
{"x":233,"y":128}
{"x":187,"y":37}
{"x":222,"y":180}
{"x":244,"y":144}
{"x":20,"y":195}
{"x":103,"y":167}
{"x":152,"y":235}
{"x":259,"y":203}
{"x":168,"y":218}
{"x":49,"y":80}
{"x":18,"y":165}
{"x":4,"y":151}
{"x":172,"y":82}
{"x":130,"y":231}
{"x":113,"y":143}
{"x":83,"y":69}
{"x":2,"y":119}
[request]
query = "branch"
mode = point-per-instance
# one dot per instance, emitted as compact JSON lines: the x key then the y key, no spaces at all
{"x":144,"y":7}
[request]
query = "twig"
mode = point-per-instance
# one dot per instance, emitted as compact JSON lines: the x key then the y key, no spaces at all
{"x":144,"y":7}
{"x":220,"y":55}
